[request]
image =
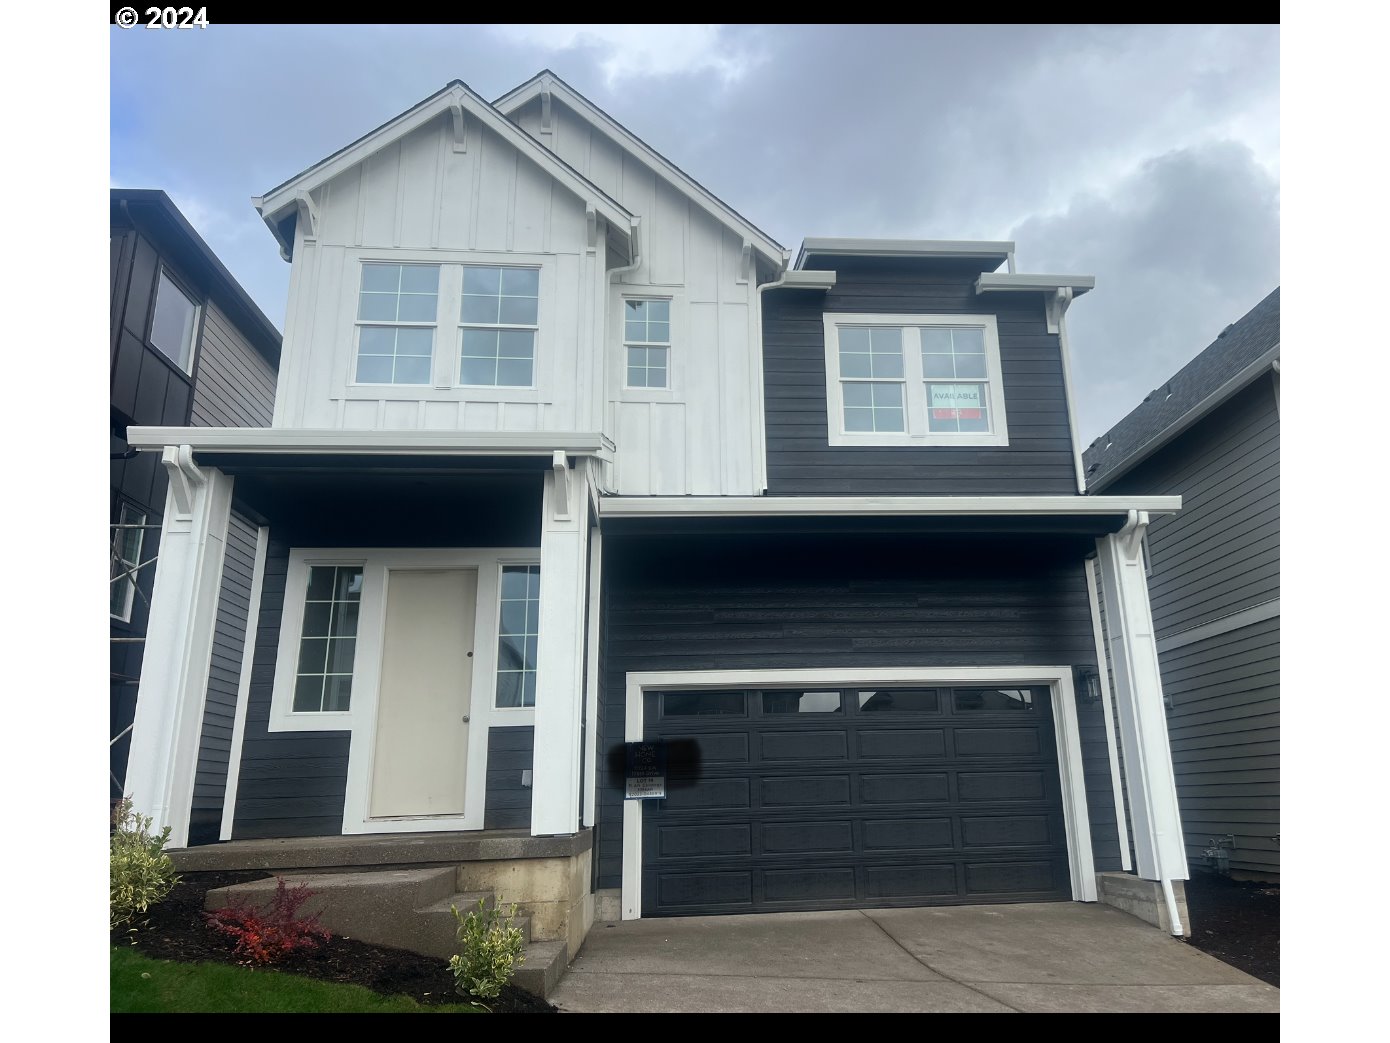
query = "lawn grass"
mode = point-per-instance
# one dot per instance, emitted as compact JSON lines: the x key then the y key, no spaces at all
{"x":140,"y":985}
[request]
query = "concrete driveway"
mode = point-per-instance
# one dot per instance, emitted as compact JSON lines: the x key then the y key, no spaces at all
{"x":1055,"y":957}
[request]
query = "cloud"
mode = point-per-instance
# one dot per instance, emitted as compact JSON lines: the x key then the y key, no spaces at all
{"x":1181,"y":247}
{"x":625,"y":51}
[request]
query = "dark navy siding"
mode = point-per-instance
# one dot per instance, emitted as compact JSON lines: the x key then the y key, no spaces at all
{"x":1038,"y":459}
{"x":789,"y":601}
{"x":508,"y":804}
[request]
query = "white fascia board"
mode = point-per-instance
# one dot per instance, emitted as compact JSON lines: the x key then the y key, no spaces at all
{"x":280,"y":441}
{"x":1266,"y":363}
{"x":805,"y":279}
{"x":1005,"y":282}
{"x":280,"y":198}
{"x":654,"y":160}
{"x":988,"y":249}
{"x":894,"y":506}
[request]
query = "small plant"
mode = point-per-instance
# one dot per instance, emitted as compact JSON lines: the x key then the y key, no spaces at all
{"x":490,"y":950}
{"x":269,"y":934}
{"x":141,"y":873}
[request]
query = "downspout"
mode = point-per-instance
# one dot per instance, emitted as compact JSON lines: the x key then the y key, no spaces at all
{"x":1059,"y":306}
{"x":1172,"y":900}
{"x":604,"y":475}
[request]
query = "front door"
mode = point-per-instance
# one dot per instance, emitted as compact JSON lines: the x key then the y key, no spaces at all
{"x":421,"y":755}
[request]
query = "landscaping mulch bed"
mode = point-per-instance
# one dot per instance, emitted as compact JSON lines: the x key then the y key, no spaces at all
{"x":1237,"y":921}
{"x":176,"y":930}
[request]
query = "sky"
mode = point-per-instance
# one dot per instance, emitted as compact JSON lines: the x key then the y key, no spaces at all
{"x":1146,"y":156}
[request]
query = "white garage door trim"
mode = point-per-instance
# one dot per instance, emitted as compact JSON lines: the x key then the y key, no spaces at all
{"x":1056,"y":678}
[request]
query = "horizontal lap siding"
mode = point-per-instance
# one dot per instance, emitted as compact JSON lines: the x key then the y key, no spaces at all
{"x":509,"y":753}
{"x":291,"y":784}
{"x":1219,"y":556}
{"x":224,"y":675}
{"x":1038,"y":459}
{"x":796,"y":602}
{"x":235,"y":385}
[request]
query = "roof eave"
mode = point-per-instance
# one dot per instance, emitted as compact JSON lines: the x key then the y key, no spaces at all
{"x":998,"y":251}
{"x":1013,"y":282}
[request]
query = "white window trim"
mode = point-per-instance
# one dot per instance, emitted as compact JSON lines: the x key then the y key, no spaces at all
{"x":535,"y":328}
{"x":675,"y":360}
{"x":668,"y":344}
{"x":359,"y":323}
{"x":514,"y":714}
{"x":913,"y":380}
{"x":360,"y":720}
{"x":1057,"y":678}
{"x":446,"y":369}
{"x":190,"y":296}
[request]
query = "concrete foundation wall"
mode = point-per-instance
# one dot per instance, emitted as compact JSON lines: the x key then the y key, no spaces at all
{"x":1144,"y":899}
{"x":554,"y":892}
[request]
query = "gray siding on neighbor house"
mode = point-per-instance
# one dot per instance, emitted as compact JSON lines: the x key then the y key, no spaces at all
{"x":1224,"y":730}
{"x":753,"y":602}
{"x":800,"y":460}
{"x":224,"y":675}
{"x":508,"y":802}
{"x":1217,"y":557}
{"x":235,"y":385}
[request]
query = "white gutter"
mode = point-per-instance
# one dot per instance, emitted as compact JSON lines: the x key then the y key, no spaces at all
{"x":887,"y":506}
{"x":337,"y":442}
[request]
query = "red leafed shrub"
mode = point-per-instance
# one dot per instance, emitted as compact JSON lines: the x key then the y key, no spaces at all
{"x":269,"y":934}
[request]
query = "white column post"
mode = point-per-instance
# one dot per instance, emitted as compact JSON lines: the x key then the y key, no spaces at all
{"x":1158,"y":842}
{"x":555,"y":792}
{"x":178,"y":643}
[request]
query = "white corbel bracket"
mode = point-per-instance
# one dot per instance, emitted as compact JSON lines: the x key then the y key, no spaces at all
{"x":591,"y":226}
{"x":460,"y":126}
{"x":1131,"y":536}
{"x":545,"y":111}
{"x":308,"y":214}
{"x":561,"y":466}
{"x":1057,"y":304}
{"x":745,"y":262}
{"x":185,"y":479}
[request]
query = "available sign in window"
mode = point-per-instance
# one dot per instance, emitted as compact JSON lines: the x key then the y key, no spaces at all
{"x":957,"y":407}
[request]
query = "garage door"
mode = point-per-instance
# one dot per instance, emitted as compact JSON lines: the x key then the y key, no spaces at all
{"x":867,"y":796}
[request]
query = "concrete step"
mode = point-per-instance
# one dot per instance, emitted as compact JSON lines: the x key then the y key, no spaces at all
{"x":544,"y":964}
{"x":381,"y":907}
{"x":438,"y":930}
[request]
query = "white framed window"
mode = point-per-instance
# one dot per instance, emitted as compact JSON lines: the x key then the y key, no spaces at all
{"x":647,"y":342}
{"x":397,"y":310}
{"x":499,"y":319}
{"x":127,"y":546}
{"x":174,"y":324}
{"x":518,"y":633}
{"x":914,"y":380}
{"x":328,"y":639}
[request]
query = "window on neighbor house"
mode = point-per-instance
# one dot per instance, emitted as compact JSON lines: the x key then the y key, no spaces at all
{"x":397,"y":307}
{"x":518,"y":633}
{"x":647,"y":342}
{"x":175,"y":322}
{"x":328,"y":639}
{"x":499,"y":319}
{"x":127,"y":544}
{"x":914,"y":380}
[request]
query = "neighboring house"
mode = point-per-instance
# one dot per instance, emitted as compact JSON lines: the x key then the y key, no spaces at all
{"x":1211,"y":435}
{"x":566,"y":455}
{"x":188,"y":347}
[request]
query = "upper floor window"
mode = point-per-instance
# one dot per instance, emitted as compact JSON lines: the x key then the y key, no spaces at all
{"x":647,"y":342}
{"x":914,"y":380}
{"x":499,"y":320}
{"x":396,"y":312}
{"x":175,"y":322}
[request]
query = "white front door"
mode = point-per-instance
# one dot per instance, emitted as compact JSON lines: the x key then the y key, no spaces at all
{"x":421,"y":753}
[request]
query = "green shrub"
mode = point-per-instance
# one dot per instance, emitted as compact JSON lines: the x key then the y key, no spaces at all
{"x":490,"y":950}
{"x":141,"y":873}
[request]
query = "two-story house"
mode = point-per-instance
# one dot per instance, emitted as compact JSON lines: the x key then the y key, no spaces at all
{"x":568,"y":455}
{"x":188,"y":347}
{"x":1211,"y":435}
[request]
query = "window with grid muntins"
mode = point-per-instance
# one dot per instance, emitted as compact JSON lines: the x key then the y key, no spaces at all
{"x":328,"y":639}
{"x":647,"y":340}
{"x":397,"y":308}
{"x":871,"y":378}
{"x":518,"y":634}
{"x":127,"y":544}
{"x":499,"y":318}
{"x":955,"y":352}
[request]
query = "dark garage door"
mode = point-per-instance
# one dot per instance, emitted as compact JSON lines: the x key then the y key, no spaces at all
{"x":831,"y":799}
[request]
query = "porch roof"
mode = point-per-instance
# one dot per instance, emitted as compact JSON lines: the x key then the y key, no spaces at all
{"x":208,"y":443}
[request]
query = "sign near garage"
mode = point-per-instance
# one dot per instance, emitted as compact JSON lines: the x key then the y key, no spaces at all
{"x":646,"y":770}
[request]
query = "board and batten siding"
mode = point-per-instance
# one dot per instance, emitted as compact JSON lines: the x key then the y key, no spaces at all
{"x":224,"y":676}
{"x":803,"y":602}
{"x":1220,"y":556}
{"x":704,"y":435}
{"x":800,"y":460}
{"x":236,"y":384}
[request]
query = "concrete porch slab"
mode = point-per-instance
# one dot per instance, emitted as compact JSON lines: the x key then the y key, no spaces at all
{"x":1063,"y":956}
